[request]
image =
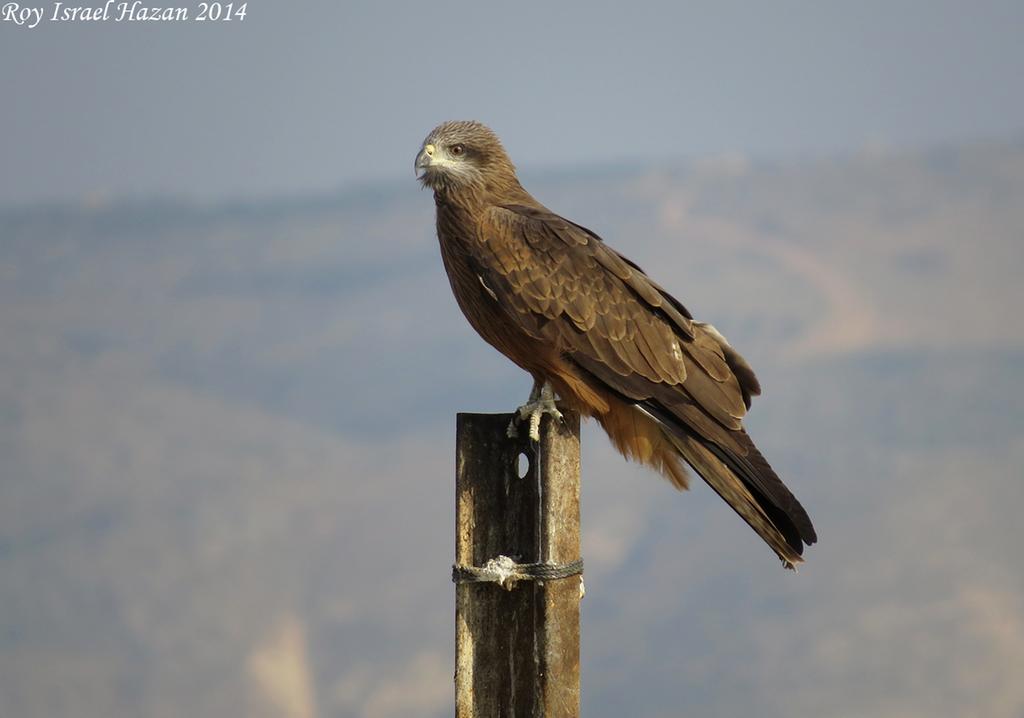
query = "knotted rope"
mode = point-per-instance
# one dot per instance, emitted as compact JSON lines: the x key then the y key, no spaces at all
{"x":506,"y":573}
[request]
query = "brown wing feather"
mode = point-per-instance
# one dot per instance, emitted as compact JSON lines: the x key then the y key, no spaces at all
{"x":650,"y":363}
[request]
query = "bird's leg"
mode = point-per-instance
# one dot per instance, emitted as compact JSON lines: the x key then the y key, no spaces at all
{"x":513,"y":431}
{"x":541,"y":402}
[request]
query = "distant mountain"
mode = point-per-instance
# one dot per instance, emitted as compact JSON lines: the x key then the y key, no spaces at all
{"x":227,"y":438}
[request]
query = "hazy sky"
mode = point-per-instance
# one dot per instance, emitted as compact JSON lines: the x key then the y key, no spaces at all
{"x":320,"y":95}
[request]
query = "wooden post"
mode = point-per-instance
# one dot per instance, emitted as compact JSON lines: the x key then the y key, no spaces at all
{"x":517,"y":652}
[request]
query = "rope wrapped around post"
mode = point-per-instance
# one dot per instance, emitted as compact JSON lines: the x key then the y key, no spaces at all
{"x":507,"y":573}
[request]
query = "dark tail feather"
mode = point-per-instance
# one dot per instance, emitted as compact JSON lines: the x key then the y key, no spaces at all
{"x":746,"y":482}
{"x":779,"y":502}
{"x":773,"y":526}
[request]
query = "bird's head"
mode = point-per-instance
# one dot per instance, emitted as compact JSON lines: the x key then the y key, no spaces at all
{"x":463,"y":155}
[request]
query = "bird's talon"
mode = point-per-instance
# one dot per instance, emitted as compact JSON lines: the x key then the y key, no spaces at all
{"x":542,"y":401}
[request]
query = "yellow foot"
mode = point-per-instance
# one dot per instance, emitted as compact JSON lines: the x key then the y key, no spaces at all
{"x":541,"y":402}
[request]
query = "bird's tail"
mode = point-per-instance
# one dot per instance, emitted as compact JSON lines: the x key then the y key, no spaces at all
{"x":748,"y":484}
{"x":771,"y":523}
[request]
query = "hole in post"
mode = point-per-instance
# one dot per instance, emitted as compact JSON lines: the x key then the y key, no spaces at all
{"x":523,"y":467}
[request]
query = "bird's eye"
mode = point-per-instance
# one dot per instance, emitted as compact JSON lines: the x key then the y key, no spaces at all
{"x":458,"y":149}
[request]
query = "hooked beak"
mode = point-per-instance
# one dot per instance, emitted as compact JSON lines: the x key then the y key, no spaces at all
{"x":424,"y":160}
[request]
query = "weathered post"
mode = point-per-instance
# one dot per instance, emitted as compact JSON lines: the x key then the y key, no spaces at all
{"x":517,"y":626}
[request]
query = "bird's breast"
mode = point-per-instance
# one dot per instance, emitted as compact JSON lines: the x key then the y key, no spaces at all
{"x":480,"y":300}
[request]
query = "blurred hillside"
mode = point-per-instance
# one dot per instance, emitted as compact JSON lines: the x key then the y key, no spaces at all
{"x":227,"y":434}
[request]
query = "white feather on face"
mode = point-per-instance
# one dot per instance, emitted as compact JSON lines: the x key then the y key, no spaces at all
{"x":438,"y":164}
{"x":456,"y":153}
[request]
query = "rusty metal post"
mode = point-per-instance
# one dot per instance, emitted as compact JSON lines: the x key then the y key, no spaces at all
{"x":517,"y":651}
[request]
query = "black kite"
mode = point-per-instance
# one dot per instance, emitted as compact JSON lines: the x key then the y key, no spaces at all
{"x":589,"y":324}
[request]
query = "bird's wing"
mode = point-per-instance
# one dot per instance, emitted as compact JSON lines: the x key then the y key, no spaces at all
{"x":566,"y":285}
{"x":560,"y":283}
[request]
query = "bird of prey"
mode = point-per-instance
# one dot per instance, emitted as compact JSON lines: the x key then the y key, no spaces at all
{"x":590,"y":326}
